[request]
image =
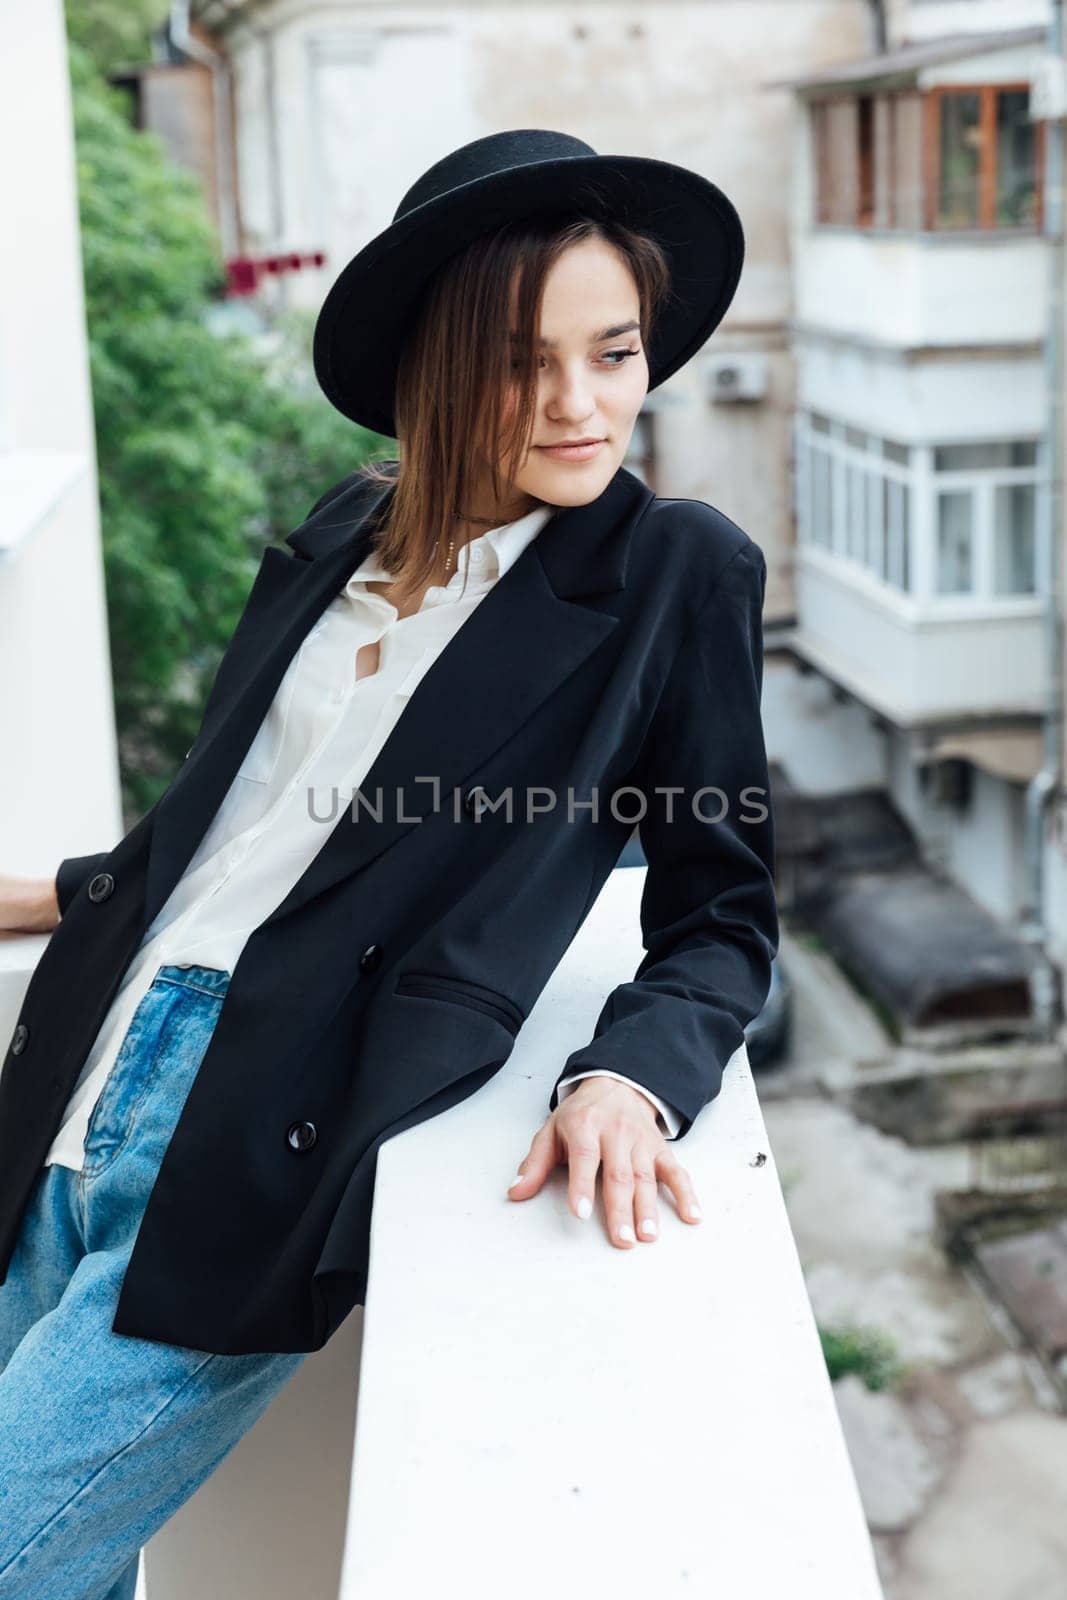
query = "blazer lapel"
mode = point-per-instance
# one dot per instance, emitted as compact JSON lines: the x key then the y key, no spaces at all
{"x":522,"y":641}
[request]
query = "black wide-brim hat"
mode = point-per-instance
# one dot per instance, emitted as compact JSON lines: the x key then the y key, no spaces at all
{"x":502,"y":178}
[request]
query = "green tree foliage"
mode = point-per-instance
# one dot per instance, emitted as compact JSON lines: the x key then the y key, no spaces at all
{"x":868,"y":1352}
{"x":114,"y":33}
{"x":210,"y":444}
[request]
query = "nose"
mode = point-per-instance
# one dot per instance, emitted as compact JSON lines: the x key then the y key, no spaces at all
{"x":571,"y":399}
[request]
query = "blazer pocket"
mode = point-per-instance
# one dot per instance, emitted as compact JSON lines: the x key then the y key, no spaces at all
{"x":464,"y":992}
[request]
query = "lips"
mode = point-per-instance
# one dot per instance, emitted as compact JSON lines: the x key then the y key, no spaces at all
{"x":572,"y":452}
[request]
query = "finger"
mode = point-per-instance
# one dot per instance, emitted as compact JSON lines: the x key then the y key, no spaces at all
{"x":646,"y":1207}
{"x":673,"y":1174}
{"x":619,"y":1191}
{"x":582,"y":1145}
{"x":544,"y":1153}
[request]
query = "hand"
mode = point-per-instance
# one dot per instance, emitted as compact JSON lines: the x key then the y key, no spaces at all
{"x":27,"y":905}
{"x":604,"y":1121}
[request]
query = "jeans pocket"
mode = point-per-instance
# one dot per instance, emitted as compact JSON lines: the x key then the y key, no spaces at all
{"x":160,"y":1054}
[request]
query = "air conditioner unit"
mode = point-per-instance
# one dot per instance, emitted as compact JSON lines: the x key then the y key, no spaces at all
{"x":737,"y":377}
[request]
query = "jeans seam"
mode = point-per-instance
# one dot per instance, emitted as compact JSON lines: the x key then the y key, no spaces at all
{"x":97,"y":1170}
{"x":183,"y":983}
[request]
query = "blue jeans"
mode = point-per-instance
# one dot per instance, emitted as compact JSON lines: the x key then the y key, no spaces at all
{"x":104,"y":1436}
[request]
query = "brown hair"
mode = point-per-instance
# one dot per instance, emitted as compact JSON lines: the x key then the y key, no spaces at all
{"x":455,"y":372}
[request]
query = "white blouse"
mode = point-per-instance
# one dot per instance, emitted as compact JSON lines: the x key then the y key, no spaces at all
{"x":323,"y":730}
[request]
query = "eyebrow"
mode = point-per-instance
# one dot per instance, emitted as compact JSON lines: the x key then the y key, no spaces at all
{"x":605,"y":333}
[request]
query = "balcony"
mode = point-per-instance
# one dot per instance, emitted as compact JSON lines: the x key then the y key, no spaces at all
{"x":919,"y":194}
{"x":914,"y":668}
{"x":917,"y":578}
{"x":929,"y":291}
{"x":532,"y":1401}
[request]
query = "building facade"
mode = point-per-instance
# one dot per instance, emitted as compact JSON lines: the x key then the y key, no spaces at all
{"x":918,"y":333}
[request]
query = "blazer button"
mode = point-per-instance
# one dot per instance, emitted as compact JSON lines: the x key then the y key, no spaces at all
{"x":19,"y":1038}
{"x":474,"y":799}
{"x":302,"y":1135}
{"x":101,"y":886}
{"x":371,"y":959}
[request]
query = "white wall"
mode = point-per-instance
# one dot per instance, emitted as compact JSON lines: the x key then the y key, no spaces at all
{"x":825,"y":745}
{"x":967,"y":658}
{"x":935,"y":290}
{"x":980,"y":847}
{"x":929,"y":19}
{"x":960,"y":395}
{"x":59,"y":795}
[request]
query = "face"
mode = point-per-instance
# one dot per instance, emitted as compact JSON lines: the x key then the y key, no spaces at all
{"x":593,"y":377}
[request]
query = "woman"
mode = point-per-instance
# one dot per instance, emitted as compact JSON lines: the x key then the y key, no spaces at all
{"x":237,"y":1007}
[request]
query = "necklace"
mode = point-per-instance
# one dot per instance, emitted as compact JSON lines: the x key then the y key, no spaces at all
{"x":487,"y":522}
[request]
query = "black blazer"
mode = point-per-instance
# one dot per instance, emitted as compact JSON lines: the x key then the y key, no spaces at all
{"x":621,"y":652}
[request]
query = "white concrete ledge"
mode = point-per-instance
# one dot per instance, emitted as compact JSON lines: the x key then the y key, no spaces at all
{"x":32,"y":482}
{"x":540,"y":1412}
{"x":19,"y":954}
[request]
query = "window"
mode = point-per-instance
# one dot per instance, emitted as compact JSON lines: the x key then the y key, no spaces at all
{"x":856,"y":512}
{"x":856,"y":497}
{"x":953,"y":157}
{"x":1014,"y":563}
{"x":836,"y":153}
{"x":822,"y":520}
{"x":985,"y":158}
{"x":957,"y":176}
{"x":955,"y":541}
{"x":979,"y":457}
{"x":858,"y":500}
{"x":1015,"y":161}
{"x":896,"y":511}
{"x":998,"y":479}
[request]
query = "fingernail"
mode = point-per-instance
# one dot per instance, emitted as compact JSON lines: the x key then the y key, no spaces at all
{"x":584,"y":1207}
{"x":520,"y":1179}
{"x":695,"y":1211}
{"x":627,"y":1233}
{"x":647,"y":1227}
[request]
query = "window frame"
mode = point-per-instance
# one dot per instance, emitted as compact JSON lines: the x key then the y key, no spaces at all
{"x":874,"y":115}
{"x":905,"y":544}
{"x":987,"y":93}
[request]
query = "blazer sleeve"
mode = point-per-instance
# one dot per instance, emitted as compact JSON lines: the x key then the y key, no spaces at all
{"x":709,"y":920}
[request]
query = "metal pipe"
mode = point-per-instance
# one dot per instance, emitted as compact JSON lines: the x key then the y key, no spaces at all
{"x":1050,"y":507}
{"x":878,"y":25}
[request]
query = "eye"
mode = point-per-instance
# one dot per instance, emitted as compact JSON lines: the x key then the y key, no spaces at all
{"x":622,"y":355}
